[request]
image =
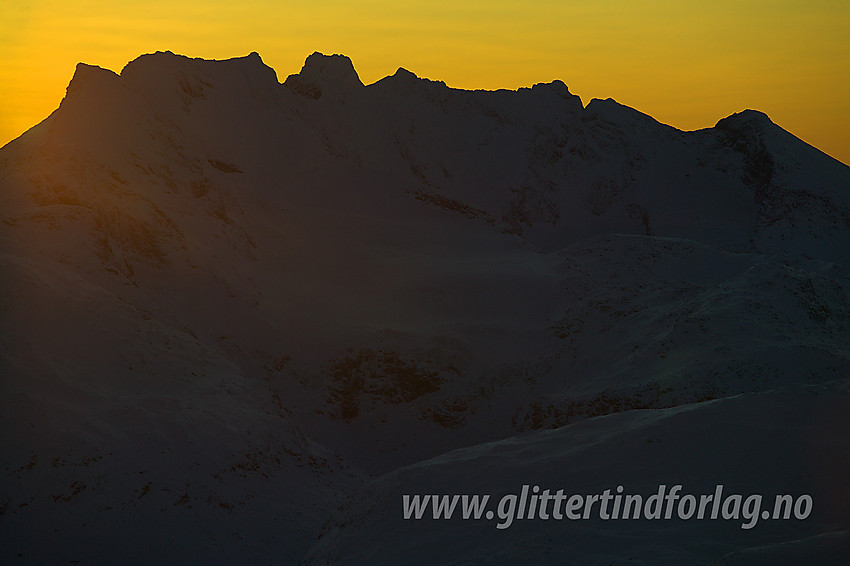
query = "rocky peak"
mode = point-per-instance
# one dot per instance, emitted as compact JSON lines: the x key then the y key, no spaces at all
{"x":324,"y":73}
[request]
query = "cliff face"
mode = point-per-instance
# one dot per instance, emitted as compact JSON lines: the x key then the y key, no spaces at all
{"x":216,"y":286}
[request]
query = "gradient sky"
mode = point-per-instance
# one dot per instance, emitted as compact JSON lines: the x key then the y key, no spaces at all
{"x":686,"y":64}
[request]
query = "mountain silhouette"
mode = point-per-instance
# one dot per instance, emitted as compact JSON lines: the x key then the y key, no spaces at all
{"x":241,"y":317}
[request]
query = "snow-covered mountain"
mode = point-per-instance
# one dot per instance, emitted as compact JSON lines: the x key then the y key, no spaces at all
{"x":241,"y":318}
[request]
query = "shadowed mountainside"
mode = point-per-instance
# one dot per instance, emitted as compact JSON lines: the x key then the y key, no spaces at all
{"x":238,"y":314}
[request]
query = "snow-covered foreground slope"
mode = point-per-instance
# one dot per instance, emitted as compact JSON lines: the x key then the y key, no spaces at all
{"x":235,"y":310}
{"x":798,"y":434}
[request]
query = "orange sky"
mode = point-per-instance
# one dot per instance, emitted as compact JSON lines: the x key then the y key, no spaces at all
{"x":686,"y":65}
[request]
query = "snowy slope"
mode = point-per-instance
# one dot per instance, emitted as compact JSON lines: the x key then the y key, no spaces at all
{"x":229,"y":301}
{"x":728,"y":442}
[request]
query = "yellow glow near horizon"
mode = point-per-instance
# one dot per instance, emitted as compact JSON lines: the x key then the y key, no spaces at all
{"x":686,"y":64}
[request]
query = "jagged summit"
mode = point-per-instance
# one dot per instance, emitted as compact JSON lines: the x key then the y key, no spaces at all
{"x":324,"y":72}
{"x":86,"y":75}
{"x":164,"y":58}
{"x":610,"y":110}
{"x":402,"y":73}
{"x":557,"y":86}
{"x":163,"y":70}
{"x":84,"y":70}
{"x":746,"y":124}
{"x":748,"y":116}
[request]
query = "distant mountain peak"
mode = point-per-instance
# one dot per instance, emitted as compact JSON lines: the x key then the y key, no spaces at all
{"x":86,"y":75}
{"x":745,"y":121}
{"x":401,"y":73}
{"x":163,"y":67}
{"x":322,"y":73}
{"x":558,"y":86}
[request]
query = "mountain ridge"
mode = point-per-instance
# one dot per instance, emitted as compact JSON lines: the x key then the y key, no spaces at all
{"x":216,"y":286}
